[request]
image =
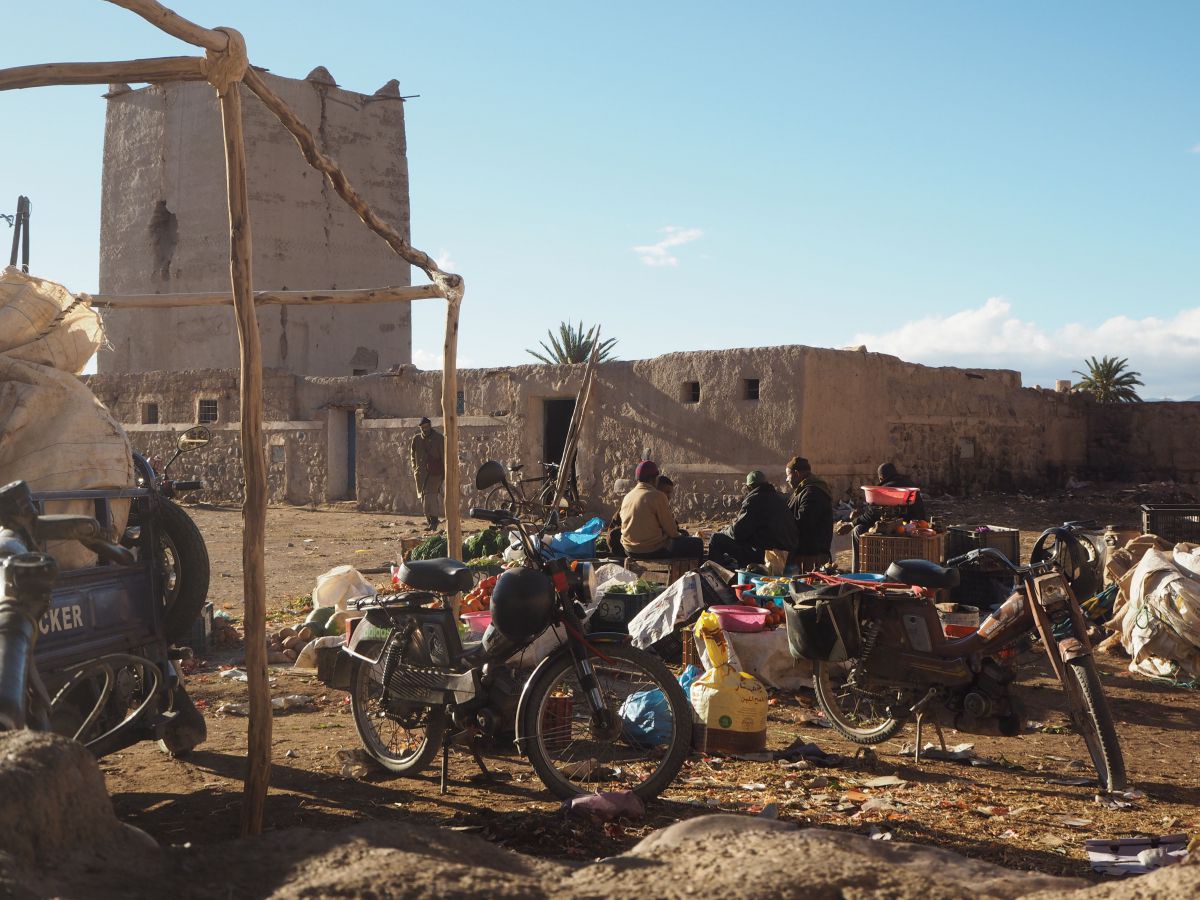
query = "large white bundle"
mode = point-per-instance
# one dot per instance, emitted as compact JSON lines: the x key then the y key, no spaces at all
{"x":54,"y":434}
{"x":1161,"y":623}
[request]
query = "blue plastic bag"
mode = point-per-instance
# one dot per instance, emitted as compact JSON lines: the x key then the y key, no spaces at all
{"x":577,"y":544}
{"x":688,"y":675}
{"x":646,"y":718}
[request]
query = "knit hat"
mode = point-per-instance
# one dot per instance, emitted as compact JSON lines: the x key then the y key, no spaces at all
{"x":647,"y":470}
{"x":756,"y":477}
{"x":799,"y":464}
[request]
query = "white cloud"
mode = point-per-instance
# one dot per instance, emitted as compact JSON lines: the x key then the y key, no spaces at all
{"x":432,"y":359}
{"x":659,"y":254}
{"x":1195,"y":149}
{"x":1165,"y":351}
{"x":445,"y":261}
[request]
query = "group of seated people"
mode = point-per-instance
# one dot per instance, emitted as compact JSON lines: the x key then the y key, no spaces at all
{"x":796,"y":528}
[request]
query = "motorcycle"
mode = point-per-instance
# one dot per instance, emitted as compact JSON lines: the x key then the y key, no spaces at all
{"x":82,"y":653}
{"x":595,"y":714}
{"x":880,"y":657}
{"x":180,"y":551}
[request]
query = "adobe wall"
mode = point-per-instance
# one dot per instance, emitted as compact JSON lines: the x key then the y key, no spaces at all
{"x":164,"y":228}
{"x":1145,"y":442}
{"x":952,"y":429}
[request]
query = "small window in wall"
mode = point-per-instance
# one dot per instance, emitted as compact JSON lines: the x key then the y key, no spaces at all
{"x":691,"y":392}
{"x":206,"y":410}
{"x":751,"y":388}
{"x":278,"y":453}
{"x":460,"y":403}
{"x":358,"y":371}
{"x":149,"y":413}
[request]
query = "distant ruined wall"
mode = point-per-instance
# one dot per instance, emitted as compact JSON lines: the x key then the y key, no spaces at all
{"x":164,"y":228}
{"x":956,"y":430}
{"x":1145,"y":442}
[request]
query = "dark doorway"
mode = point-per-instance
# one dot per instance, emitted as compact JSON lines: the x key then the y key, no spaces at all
{"x":556,"y":419}
{"x":351,"y":453}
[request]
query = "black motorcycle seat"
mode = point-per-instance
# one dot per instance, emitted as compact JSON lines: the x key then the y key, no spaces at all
{"x":443,"y":576}
{"x":922,"y":573}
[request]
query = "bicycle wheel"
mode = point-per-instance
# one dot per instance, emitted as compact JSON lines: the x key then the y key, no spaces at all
{"x":498,"y":498}
{"x":1092,"y":719}
{"x":402,"y":736}
{"x":641,"y":747}
{"x":862,"y":710}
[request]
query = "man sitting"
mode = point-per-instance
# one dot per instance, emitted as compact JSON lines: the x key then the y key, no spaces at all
{"x":648,"y":529}
{"x":887,"y":476}
{"x":811,"y":503}
{"x":763,"y":523}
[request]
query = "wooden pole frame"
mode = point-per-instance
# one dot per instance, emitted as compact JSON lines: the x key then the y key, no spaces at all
{"x":576,"y":426}
{"x":226,"y":66}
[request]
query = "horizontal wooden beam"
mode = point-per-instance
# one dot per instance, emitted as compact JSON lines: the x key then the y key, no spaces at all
{"x":159,"y":69}
{"x":264,"y":298}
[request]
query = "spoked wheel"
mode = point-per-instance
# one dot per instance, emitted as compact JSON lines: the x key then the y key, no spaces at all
{"x":401,"y":735}
{"x":498,"y":498}
{"x":862,"y":709}
{"x":640,"y":743}
{"x":1093,"y":720}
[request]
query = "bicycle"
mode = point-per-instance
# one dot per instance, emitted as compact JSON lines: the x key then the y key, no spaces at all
{"x":509,"y":494}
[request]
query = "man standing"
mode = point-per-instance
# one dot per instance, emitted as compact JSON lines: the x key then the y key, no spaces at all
{"x":428,"y":457}
{"x":811,"y":503}
{"x":763,"y":523}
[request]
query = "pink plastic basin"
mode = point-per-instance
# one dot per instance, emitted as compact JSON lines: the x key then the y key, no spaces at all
{"x":740,"y":618}
{"x":477,"y":622}
{"x":891,"y":496}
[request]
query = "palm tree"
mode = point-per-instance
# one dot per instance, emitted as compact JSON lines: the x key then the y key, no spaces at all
{"x":571,"y":345}
{"x":1108,"y":381}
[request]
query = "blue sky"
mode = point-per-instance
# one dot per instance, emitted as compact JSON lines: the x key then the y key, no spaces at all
{"x":1009,"y":184}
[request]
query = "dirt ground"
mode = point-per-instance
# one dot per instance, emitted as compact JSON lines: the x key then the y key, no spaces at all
{"x":1016,"y":811}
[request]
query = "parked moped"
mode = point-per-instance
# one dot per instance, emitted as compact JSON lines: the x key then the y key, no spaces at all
{"x":880,"y":657}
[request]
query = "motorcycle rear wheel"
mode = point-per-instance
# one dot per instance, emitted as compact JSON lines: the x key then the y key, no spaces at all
{"x":401,"y":736}
{"x":572,"y":757}
{"x":858,"y":714}
{"x":1092,"y":719}
{"x":183,"y":565}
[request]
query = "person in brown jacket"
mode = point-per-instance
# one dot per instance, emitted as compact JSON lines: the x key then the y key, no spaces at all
{"x":428,"y":458}
{"x":648,"y":529}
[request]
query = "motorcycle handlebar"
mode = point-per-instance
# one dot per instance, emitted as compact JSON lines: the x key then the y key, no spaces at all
{"x":87,"y":531}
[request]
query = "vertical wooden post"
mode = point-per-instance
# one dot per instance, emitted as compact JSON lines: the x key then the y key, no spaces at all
{"x":581,"y":402}
{"x":254,"y":464}
{"x":450,"y":427}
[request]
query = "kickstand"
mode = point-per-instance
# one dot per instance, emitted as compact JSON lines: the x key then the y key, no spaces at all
{"x":445,"y":765}
{"x":487,"y":776}
{"x":919,"y":709}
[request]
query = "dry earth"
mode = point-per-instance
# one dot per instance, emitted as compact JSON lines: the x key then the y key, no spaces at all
{"x":1016,"y":812}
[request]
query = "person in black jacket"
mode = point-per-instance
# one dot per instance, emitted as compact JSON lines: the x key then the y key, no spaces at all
{"x":764,"y":523}
{"x":887,"y":476}
{"x":811,"y":504}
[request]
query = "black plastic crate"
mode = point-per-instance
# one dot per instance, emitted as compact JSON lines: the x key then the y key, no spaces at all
{"x":1178,"y":522}
{"x":615,"y":611}
{"x":962,"y":539}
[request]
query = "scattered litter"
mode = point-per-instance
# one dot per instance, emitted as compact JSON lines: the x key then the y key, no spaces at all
{"x":810,"y":753}
{"x":855,"y":797}
{"x":606,"y":806}
{"x":1135,"y":856}
{"x":753,"y":786}
{"x":885,"y":781}
{"x":234,"y":709}
{"x":1073,"y":782}
{"x":291,"y":754}
{"x":235,"y":675}
{"x":291,"y":701}
{"x":579,"y":770}
{"x":764,"y":756}
{"x":770,"y":811}
{"x":1008,"y":835}
{"x":355,"y":763}
{"x":1073,"y":821}
{"x":879,"y":835}
{"x":1112,"y":802}
{"x":877,"y":804}
{"x":821,"y":781}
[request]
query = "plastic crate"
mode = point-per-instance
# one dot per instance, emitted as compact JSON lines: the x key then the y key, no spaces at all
{"x":962,"y":539}
{"x":1178,"y":522}
{"x":878,"y":551}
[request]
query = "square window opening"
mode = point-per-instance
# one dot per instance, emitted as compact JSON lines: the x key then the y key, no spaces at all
{"x":358,"y":371}
{"x":751,"y":389}
{"x":278,"y":453}
{"x":691,"y":392}
{"x":149,"y":413}
{"x":206,"y":410}
{"x":460,"y":403}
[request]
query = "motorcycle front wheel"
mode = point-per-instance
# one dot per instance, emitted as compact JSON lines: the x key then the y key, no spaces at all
{"x":400,"y":735}
{"x":644,"y":735}
{"x":1093,"y":720}
{"x":860,"y":708}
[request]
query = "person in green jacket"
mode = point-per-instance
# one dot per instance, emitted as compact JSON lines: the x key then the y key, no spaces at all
{"x":428,"y":458}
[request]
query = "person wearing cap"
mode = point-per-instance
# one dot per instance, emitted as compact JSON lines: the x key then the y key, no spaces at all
{"x":428,"y":458}
{"x":811,"y":503}
{"x":763,"y":523}
{"x":648,"y":529}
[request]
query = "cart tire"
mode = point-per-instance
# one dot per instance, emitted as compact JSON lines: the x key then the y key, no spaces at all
{"x":183,"y":560}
